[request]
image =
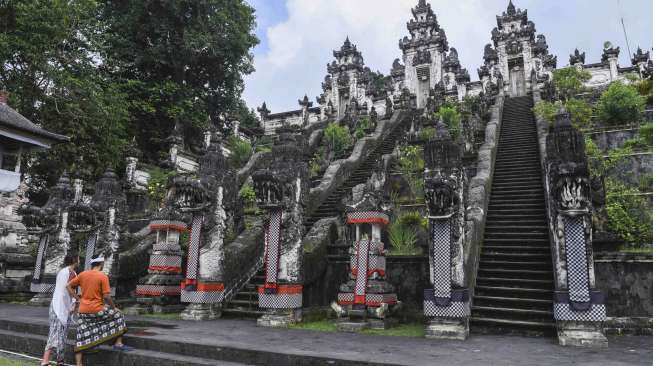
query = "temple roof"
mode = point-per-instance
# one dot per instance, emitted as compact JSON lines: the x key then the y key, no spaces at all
{"x":17,"y":124}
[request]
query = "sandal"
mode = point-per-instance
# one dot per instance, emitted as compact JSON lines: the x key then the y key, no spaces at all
{"x":122,"y":348}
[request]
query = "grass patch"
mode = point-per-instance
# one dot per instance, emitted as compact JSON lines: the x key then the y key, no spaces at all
{"x":171,"y":316}
{"x":329,"y":326}
{"x":637,"y":250}
{"x":402,"y":330}
{"x":4,"y":361}
{"x":319,"y":326}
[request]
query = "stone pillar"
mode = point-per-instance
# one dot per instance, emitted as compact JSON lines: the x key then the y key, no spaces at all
{"x":611,"y":56}
{"x":281,"y":189}
{"x":446,"y":302}
{"x":159,"y":290}
{"x":367,"y":300}
{"x":579,"y":308}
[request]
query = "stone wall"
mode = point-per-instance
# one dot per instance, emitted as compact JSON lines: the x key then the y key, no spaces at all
{"x":607,"y":139}
{"x":479,"y":193}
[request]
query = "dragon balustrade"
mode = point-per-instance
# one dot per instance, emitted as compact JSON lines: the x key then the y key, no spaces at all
{"x":579,"y":308}
{"x":281,"y":189}
{"x":446,"y":302}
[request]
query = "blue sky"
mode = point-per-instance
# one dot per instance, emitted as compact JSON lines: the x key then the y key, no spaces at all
{"x":298,"y":36}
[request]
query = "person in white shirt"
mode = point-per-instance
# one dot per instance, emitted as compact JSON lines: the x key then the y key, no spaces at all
{"x":62,"y":308}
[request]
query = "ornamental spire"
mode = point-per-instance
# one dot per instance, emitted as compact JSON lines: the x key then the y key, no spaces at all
{"x":511,"y":8}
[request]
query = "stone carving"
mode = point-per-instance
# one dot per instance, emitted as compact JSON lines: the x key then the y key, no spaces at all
{"x":578,"y":307}
{"x":216,"y":215}
{"x":281,"y":189}
{"x":577,"y":58}
{"x":422,"y":57}
{"x":446,"y":303}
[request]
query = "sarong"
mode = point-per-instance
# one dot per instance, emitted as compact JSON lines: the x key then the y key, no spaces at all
{"x":57,"y":336}
{"x":98,"y":328}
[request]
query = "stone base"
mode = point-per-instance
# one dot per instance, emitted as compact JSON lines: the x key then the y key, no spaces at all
{"x":280,"y":318}
{"x":198,"y":312}
{"x":457,"y":329}
{"x":591,"y":338}
{"x":349,"y":326}
{"x":41,"y":299}
{"x":138,"y":309}
{"x":381,"y":324}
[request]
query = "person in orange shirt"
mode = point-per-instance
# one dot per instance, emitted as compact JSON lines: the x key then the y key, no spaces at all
{"x":99,"y":319}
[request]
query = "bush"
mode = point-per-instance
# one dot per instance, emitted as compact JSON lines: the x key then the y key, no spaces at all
{"x":569,"y":81}
{"x":337,"y":139}
{"x":402,"y":238}
{"x":157,"y":186}
{"x":580,"y":111}
{"x":645,"y":89}
{"x":413,"y":219}
{"x":646,"y":132}
{"x":452,"y":118}
{"x":547,"y":110}
{"x":411,"y":166}
{"x":241,"y":151}
{"x":620,"y":104}
{"x":248,"y":195}
{"x":629,"y":215}
{"x":427,"y":133}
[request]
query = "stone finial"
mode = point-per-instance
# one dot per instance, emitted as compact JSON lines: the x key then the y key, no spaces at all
{"x":263,"y":111}
{"x":305,"y":102}
{"x":511,"y":8}
{"x":577,"y":58}
{"x":609,"y":52}
{"x":641,"y":57}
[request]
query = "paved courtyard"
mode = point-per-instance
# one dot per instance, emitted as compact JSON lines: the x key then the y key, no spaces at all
{"x":243,"y":336}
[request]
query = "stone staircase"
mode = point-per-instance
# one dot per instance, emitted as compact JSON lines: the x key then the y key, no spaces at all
{"x":514,"y":285}
{"x":245,"y":302}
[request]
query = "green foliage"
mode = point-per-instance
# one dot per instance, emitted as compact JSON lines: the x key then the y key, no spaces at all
{"x":569,"y":81}
{"x":620,"y":104}
{"x":630,"y":217}
{"x":241,"y":151}
{"x":157,"y":186}
{"x":452,"y":118}
{"x":646,"y":132}
{"x":416,"y":330}
{"x":599,"y":164}
{"x":179,"y":61}
{"x":580,"y":111}
{"x":427,"y":133}
{"x":47,"y":53}
{"x":337,"y":139}
{"x":645,"y":89}
{"x":402,"y":238}
{"x":411,"y":166}
{"x":413,"y":219}
{"x":247,"y":195}
{"x":318,"y":326}
{"x":547,"y":110}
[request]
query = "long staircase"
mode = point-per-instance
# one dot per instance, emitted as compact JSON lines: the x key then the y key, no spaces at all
{"x":514,"y":285}
{"x":245,"y":302}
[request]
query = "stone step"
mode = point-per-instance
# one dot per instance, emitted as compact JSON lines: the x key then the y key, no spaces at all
{"x":513,"y":210}
{"x":517,"y":282}
{"x":500,"y":264}
{"x":514,"y":291}
{"x":516,"y":248}
{"x":507,"y":312}
{"x":508,"y":326}
{"x":34,"y":344}
{"x":518,"y":234}
{"x":516,"y":257}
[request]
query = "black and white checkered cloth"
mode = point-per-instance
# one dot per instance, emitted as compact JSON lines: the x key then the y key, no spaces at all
{"x":280,"y":301}
{"x":441,"y":257}
{"x":90,"y":249}
{"x":577,"y":268}
{"x":362,"y":254}
{"x":272,"y":246}
{"x":194,"y":248}
{"x":563,"y":311}
{"x":40,"y":255}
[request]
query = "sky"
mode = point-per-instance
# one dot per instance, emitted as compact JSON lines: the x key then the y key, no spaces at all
{"x":298,"y":36}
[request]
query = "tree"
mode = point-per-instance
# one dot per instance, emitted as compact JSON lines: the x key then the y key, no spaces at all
{"x":452,"y":118}
{"x":620,"y":104}
{"x":49,"y":54}
{"x":179,"y":61}
{"x":570,"y":81}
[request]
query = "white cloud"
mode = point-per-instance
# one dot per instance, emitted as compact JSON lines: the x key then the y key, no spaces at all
{"x":302,"y":45}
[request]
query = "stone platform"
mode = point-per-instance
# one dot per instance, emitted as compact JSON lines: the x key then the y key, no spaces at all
{"x":230,"y":342}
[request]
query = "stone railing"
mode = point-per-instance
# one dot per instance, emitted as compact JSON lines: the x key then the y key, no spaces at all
{"x":340,"y":170}
{"x":478,"y":196}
